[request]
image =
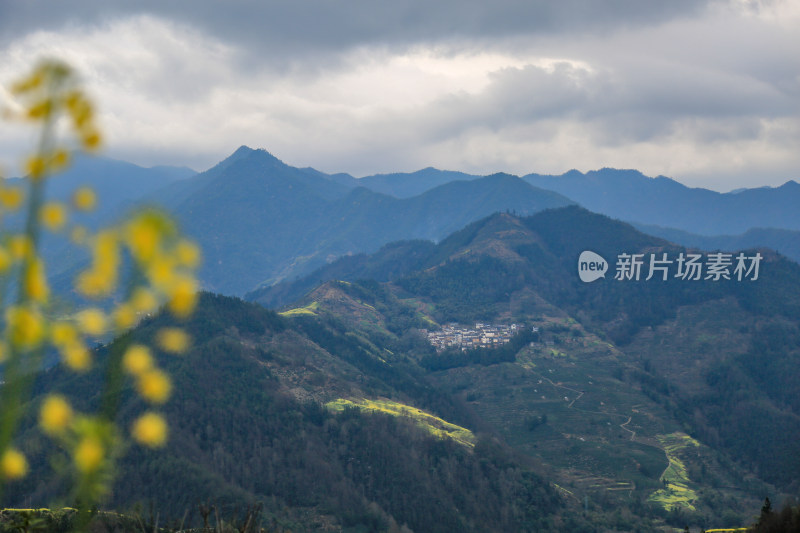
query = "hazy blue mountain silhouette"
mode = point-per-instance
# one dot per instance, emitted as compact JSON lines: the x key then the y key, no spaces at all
{"x":630,"y":195}
{"x":260,"y":220}
{"x":785,"y":241}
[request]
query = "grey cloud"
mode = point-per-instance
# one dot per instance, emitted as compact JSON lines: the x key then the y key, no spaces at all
{"x":287,"y":27}
{"x":638,"y":103}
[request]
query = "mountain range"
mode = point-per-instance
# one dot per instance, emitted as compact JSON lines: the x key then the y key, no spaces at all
{"x":261,"y":221}
{"x":634,"y":400}
{"x":621,"y":405}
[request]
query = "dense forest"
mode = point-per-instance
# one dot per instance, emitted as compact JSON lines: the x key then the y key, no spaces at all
{"x":238,"y":437}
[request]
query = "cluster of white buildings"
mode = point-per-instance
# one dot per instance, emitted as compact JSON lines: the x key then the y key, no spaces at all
{"x":481,"y":336}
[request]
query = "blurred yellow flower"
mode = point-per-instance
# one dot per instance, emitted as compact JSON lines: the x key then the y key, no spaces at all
{"x":63,"y":333}
{"x":2,"y":353}
{"x":162,"y":272}
{"x":137,"y":359}
{"x":25,"y":327}
{"x":20,"y":246}
{"x":101,"y":278}
{"x":91,"y":139}
{"x":183,"y":297}
{"x":60,"y":160}
{"x":143,"y":300}
{"x":91,"y":321}
{"x":11,"y":198}
{"x":35,"y":281}
{"x":150,"y":429}
{"x":76,"y":356}
{"x":35,"y":167}
{"x":41,"y":109}
{"x":84,"y":199}
{"x":55,"y":414}
{"x":5,"y":260}
{"x":13,"y":464}
{"x":124,"y":316}
{"x":173,"y":340}
{"x":31,"y":82}
{"x":154,"y":386}
{"x":53,"y":215}
{"x":143,"y":237}
{"x":89,"y":454}
{"x":79,"y":108}
{"x":188,"y":253}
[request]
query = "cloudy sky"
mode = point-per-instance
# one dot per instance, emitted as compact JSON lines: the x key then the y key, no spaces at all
{"x":706,"y":92}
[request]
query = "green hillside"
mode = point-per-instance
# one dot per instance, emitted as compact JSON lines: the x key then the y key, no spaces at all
{"x":248,"y":423}
{"x":620,"y":405}
{"x":617,"y":366}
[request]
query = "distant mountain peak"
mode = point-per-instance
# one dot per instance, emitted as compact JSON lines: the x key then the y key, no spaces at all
{"x":499,"y":175}
{"x":245,"y":151}
{"x":242,"y":150}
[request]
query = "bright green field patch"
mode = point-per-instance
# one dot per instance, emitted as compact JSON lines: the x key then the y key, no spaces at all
{"x":677,"y":491}
{"x":433,"y":424}
{"x":310,"y":309}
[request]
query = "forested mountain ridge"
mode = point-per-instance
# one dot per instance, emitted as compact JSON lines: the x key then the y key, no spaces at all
{"x":716,"y":358}
{"x":631,"y":196}
{"x":259,"y":220}
{"x":248,"y":424}
{"x":619,"y":380}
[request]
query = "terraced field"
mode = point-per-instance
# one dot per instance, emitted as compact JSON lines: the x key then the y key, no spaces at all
{"x":433,"y":424}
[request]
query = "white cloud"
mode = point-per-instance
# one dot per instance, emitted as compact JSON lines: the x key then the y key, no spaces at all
{"x":703,"y":97}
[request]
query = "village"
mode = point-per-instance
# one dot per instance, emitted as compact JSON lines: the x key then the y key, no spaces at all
{"x":481,"y":336}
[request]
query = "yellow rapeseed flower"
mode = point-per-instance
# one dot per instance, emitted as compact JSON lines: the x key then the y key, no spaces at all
{"x":84,"y":199}
{"x":35,"y":281}
{"x":173,"y":340}
{"x":150,"y":429}
{"x":91,"y":139}
{"x":20,"y":246}
{"x":76,"y":356}
{"x":55,"y":414}
{"x":11,"y":198}
{"x":63,"y":333}
{"x":79,"y":108}
{"x":25,"y":327}
{"x":53,"y":215}
{"x":124,"y":316}
{"x":161,"y":272}
{"x":35,"y":167}
{"x":154,"y":386}
{"x":91,"y":321}
{"x":28,"y":84}
{"x":92,"y":284}
{"x":89,"y":454}
{"x":183,"y":297}
{"x":101,"y":278}
{"x":143,"y":300}
{"x":5,"y":260}
{"x":60,"y":159}
{"x":188,"y":253}
{"x":13,"y":464}
{"x":137,"y":359}
{"x":41,"y":109}
{"x":143,"y":237}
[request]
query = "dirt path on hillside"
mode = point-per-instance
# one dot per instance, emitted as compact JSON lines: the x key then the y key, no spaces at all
{"x":629,"y":418}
